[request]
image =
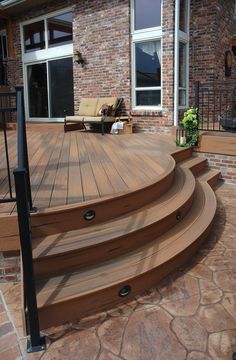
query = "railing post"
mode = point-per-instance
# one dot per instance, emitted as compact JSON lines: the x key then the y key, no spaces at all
{"x":196,"y":97}
{"x":6,"y":151}
{"x":35,"y":341}
{"x":21,"y":125}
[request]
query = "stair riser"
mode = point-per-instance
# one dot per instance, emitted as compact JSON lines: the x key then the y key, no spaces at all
{"x":213,"y":181}
{"x":77,"y":308}
{"x":52,"y":266}
{"x":59,"y":221}
{"x":182,"y":155}
{"x":196,"y":169}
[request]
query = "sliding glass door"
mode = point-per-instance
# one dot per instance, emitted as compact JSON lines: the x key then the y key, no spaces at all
{"x":37,"y":90}
{"x":50,"y":89}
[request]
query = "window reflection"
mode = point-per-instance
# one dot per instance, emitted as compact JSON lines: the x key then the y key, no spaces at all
{"x":182,"y":73}
{"x":148,"y":98}
{"x":34,"y":36}
{"x":147,"y":14}
{"x":148,"y":66}
{"x":183,"y":15}
{"x":60,"y":30}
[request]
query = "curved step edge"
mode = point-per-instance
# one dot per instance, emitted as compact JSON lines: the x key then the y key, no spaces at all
{"x":98,"y":299}
{"x":109,"y":243}
{"x":70,"y":217}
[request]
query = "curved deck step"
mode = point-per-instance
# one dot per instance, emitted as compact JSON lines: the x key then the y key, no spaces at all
{"x":78,"y":248}
{"x":74,"y":295}
{"x":70,"y":217}
{"x":195,"y":164}
{"x":211,"y":176}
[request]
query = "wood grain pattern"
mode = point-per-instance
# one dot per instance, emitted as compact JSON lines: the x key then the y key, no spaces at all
{"x":215,"y":143}
{"x":71,"y":296}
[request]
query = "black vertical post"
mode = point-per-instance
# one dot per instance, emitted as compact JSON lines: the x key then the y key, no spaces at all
{"x":6,"y":151}
{"x":21,"y":125}
{"x":196,"y":97}
{"x":35,"y":341}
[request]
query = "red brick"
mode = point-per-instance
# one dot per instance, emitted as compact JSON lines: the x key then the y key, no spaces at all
{"x":6,"y":328}
{"x":8,"y":341}
{"x":10,"y":354}
{"x":3,"y":317}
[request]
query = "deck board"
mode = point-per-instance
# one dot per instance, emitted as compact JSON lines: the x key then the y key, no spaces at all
{"x":80,"y":166}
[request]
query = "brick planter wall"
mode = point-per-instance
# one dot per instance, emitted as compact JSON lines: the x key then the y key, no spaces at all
{"x":224,"y":163}
{"x":9,"y":266}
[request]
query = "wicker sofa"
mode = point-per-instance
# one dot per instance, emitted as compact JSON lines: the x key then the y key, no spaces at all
{"x":94,"y":111}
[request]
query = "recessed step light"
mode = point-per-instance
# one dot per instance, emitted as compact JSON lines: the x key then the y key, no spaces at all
{"x":89,"y":215}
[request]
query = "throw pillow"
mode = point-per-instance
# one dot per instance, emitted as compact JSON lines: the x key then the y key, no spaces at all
{"x":105,"y":109}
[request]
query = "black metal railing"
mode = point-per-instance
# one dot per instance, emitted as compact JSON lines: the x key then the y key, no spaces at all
{"x":24,"y":206}
{"x":216,"y":104}
{"x":7,"y":112}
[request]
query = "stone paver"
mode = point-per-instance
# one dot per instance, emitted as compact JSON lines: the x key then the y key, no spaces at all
{"x":190,"y":315}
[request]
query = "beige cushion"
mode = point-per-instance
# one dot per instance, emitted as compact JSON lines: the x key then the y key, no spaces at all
{"x":74,"y":118}
{"x":88,"y":107}
{"x":111,"y":101}
{"x":98,"y":119}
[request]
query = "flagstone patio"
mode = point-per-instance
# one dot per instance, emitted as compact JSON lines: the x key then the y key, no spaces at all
{"x":190,"y":315}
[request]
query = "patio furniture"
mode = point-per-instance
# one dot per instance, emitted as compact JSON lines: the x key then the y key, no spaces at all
{"x":228,"y":123}
{"x":94,"y":111}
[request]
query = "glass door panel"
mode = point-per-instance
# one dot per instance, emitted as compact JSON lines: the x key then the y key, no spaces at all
{"x":61,"y":87}
{"x":37,"y":90}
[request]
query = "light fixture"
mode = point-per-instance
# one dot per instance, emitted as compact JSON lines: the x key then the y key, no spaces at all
{"x":79,"y":58}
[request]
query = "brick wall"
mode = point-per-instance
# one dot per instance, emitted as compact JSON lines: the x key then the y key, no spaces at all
{"x":224,"y":163}
{"x":210,"y":37}
{"x":9,"y":266}
{"x":102,"y":34}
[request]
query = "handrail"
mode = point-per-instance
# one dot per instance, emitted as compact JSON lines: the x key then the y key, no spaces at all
{"x":7,"y":106}
{"x":24,"y":205}
{"x":22,"y":150}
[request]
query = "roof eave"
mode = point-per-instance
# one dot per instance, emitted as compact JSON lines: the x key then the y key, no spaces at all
{"x":5,"y":4}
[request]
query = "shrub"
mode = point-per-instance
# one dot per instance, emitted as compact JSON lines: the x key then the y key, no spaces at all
{"x":190,"y":124}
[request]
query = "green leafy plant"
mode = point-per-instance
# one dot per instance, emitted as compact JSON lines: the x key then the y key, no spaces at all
{"x":190,"y":124}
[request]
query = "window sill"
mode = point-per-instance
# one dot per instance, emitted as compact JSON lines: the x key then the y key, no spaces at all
{"x":147,"y":112}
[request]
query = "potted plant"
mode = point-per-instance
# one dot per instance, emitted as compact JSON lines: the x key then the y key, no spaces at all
{"x":190,"y":126}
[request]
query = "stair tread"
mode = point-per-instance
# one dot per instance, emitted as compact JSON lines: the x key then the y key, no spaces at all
{"x":193,"y":161}
{"x":208,"y":174}
{"x":181,"y":190}
{"x":134,"y":264}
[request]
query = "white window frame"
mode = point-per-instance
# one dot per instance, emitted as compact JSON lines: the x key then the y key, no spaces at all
{"x":41,"y":56}
{"x":138,"y":36}
{"x":184,"y":38}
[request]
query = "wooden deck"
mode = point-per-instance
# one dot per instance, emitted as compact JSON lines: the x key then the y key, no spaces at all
{"x":78,"y":166}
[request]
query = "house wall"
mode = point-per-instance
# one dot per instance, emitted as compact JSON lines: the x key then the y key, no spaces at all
{"x":102,"y":34}
{"x":101,"y":31}
{"x":211,"y":25}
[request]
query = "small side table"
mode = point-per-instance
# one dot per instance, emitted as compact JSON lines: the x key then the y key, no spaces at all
{"x":128,"y":126}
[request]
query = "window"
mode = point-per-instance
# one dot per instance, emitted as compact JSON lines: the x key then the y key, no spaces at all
{"x":183,"y":16}
{"x":34,"y":38}
{"x":50,"y":32}
{"x":147,"y":14}
{"x":182,"y":74}
{"x":60,"y":30}
{"x":146,"y":50}
{"x":183,"y":52}
{"x":48,"y":66}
